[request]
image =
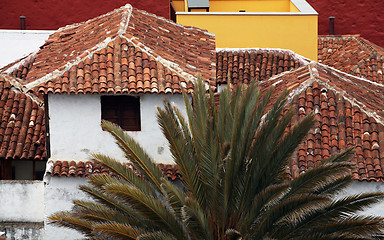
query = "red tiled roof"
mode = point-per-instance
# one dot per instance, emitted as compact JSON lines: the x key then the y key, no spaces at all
{"x":349,"y":112}
{"x":84,"y":169}
{"x":352,"y":54}
{"x":245,"y":65}
{"x":22,"y":129}
{"x":124,"y":51}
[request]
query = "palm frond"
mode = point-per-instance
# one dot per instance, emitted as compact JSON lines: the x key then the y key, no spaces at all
{"x":155,"y":236}
{"x":118,"y":230}
{"x":148,"y":207}
{"x":135,"y":153}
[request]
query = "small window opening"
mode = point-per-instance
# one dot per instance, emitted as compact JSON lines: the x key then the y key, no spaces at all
{"x":22,"y":169}
{"x":122,"y":110}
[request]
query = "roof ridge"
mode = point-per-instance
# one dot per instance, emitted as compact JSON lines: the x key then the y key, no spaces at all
{"x":358,"y":39}
{"x":354,"y":101}
{"x":366,"y":44}
{"x":92,"y":19}
{"x":313,"y":70}
{"x":171,"y":65}
{"x":18,"y":87}
{"x":282,"y":74}
{"x":313,"y":75}
{"x":349,"y":75}
{"x":89,"y":52}
{"x":21,"y":62}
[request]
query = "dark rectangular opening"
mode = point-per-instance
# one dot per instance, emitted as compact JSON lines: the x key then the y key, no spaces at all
{"x":122,"y":110}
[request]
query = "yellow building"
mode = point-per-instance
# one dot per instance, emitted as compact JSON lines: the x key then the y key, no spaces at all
{"x":286,"y":24}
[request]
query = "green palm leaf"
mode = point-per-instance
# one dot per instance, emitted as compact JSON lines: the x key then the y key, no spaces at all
{"x":233,"y":160}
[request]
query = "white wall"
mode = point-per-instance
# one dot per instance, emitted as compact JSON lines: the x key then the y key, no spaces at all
{"x":21,"y":201}
{"x":16,"y":44}
{"x":367,"y":187}
{"x":58,"y":196}
{"x":22,"y":231}
{"x":75,"y":128}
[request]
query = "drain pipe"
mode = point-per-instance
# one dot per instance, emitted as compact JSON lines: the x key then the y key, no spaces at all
{"x":331,"y":25}
{"x":22,"y":22}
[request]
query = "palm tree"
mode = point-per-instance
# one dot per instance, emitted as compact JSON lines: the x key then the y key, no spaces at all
{"x":233,"y":159}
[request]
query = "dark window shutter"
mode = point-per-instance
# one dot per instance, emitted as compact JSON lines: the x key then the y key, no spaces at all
{"x":122,"y":110}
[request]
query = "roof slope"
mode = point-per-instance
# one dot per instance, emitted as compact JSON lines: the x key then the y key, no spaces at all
{"x":22,"y":129}
{"x":352,"y":54}
{"x":246,"y":65}
{"x":349,"y":112}
{"x":126,"y":50}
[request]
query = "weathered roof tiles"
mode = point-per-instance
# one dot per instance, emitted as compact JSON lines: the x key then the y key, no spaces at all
{"x":246,"y":65}
{"x":354,"y":55}
{"x":348,"y":113}
{"x":22,"y":128}
{"x":124,"y":51}
{"x":85,"y":169}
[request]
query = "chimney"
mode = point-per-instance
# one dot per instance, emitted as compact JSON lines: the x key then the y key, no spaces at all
{"x":331,"y":25}
{"x":22,"y":22}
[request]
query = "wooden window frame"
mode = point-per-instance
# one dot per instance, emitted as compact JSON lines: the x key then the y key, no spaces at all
{"x":122,"y":110}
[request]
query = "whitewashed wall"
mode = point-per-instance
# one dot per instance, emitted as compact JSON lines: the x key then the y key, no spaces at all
{"x":21,"y":201}
{"x":58,"y":196}
{"x":75,"y":130}
{"x":16,"y":44}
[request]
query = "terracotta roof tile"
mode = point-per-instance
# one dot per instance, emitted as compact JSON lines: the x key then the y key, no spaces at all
{"x":84,"y":169}
{"x":22,"y":129}
{"x":348,"y":113}
{"x":124,"y":51}
{"x":246,"y":65}
{"x":352,"y":54}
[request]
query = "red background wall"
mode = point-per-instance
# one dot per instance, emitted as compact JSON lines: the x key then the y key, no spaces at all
{"x":364,"y":17}
{"x":352,"y":16}
{"x":52,"y":14}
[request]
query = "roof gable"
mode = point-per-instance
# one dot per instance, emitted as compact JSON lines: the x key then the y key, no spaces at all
{"x":348,"y":113}
{"x":182,"y":52}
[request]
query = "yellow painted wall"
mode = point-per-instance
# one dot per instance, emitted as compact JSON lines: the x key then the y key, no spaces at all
{"x":298,"y":33}
{"x":249,"y":6}
{"x":237,"y":5}
{"x":179,"y":6}
{"x":293,"y":8}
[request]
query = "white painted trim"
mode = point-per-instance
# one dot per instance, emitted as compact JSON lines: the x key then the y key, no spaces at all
{"x":304,"y":7}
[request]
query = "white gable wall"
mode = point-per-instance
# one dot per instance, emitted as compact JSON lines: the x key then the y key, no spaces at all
{"x":16,"y":44}
{"x":75,"y":131}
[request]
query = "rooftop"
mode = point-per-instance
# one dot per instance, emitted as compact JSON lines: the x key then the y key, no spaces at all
{"x":119,"y":53}
{"x":22,"y":129}
{"x":246,"y":65}
{"x":348,"y":113}
{"x":352,"y":54}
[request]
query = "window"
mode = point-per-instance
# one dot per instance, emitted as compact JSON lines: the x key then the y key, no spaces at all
{"x":11,"y":169}
{"x":122,"y":110}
